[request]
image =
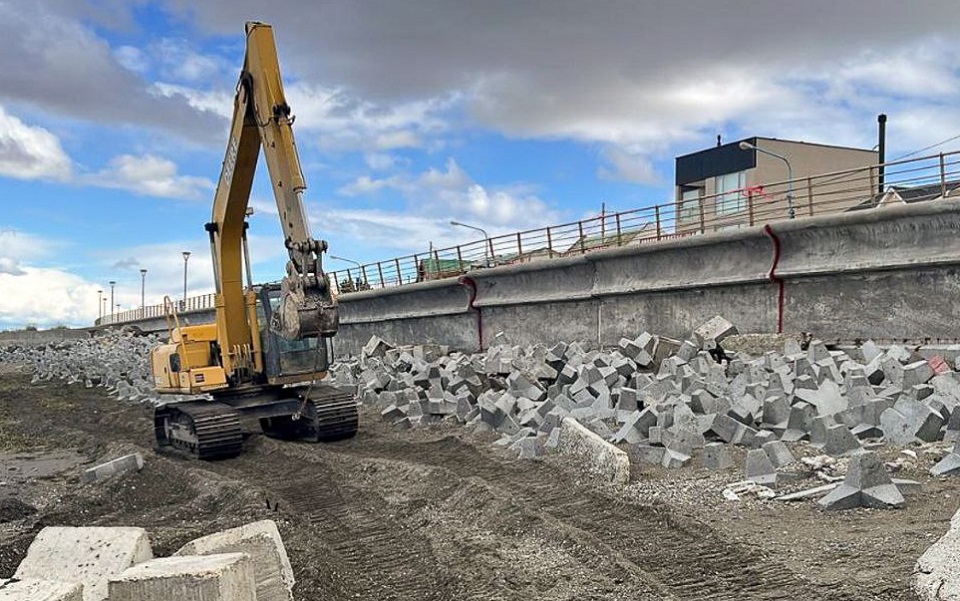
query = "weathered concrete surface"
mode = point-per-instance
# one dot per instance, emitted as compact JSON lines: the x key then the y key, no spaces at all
{"x":599,"y":457}
{"x":120,"y":465}
{"x":261,"y":541}
{"x":937,"y":573}
{"x":864,"y":274}
{"x":40,"y":590}
{"x":89,"y":555}
{"x":222,"y":577}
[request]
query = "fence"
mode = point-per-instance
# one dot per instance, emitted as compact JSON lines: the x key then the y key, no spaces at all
{"x":192,"y":303}
{"x":912,"y":180}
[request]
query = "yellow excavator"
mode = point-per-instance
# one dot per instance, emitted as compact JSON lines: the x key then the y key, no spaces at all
{"x":263,"y":358}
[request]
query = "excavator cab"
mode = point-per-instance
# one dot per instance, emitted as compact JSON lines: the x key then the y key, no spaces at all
{"x":288,"y":361}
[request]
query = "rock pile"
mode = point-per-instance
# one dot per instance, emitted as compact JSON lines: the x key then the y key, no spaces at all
{"x":668,"y":400}
{"x":115,"y":360}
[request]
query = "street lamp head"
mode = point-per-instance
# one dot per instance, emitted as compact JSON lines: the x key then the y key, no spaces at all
{"x":143,"y":272}
{"x":186,"y":255}
{"x":452,"y":222}
{"x":746,"y":146}
{"x":112,"y":282}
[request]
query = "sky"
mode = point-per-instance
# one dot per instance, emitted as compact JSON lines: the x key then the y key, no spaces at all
{"x":504,"y":114}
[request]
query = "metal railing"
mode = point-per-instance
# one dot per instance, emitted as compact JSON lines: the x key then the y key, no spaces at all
{"x":922,"y":178}
{"x":191,"y":303}
{"x":917,"y":179}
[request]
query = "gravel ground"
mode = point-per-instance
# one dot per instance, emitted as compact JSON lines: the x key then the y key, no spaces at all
{"x":437,"y":513}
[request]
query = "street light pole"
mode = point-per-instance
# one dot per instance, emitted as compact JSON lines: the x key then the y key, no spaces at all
{"x":790,"y":211}
{"x":186,"y":257}
{"x":100,"y":304}
{"x":112,"y":284}
{"x":349,"y":277}
{"x":487,"y":246}
{"x":143,"y":290}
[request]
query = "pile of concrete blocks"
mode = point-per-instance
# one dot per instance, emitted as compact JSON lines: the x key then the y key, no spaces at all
{"x":248,"y":563}
{"x":115,"y":360}
{"x":667,"y":401}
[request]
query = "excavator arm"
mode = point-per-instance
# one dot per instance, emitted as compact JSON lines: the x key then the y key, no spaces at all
{"x":262,"y":119}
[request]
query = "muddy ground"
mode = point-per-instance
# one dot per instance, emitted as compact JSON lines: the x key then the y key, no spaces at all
{"x":440,"y":514}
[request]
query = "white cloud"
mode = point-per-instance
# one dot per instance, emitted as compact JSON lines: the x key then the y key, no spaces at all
{"x":151,"y":176}
{"x":46,"y":297}
{"x":628,"y":167}
{"x":28,"y":152}
{"x":218,"y":102}
{"x":379,"y":161}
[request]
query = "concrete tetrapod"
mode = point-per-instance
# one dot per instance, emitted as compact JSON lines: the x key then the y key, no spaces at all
{"x":866,"y":484}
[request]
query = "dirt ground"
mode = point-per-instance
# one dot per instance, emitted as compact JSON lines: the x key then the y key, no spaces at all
{"x":439,"y":514}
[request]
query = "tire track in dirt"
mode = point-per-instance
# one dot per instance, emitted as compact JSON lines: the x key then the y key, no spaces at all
{"x":687,"y":557}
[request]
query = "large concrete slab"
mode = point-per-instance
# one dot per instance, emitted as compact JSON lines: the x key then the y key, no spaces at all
{"x":600,"y":458}
{"x":937,"y":573}
{"x":40,"y":590}
{"x":89,"y":555}
{"x":262,"y":542}
{"x":222,"y":577}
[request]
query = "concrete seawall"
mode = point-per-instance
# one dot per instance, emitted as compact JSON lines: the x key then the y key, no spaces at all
{"x":886,"y":274}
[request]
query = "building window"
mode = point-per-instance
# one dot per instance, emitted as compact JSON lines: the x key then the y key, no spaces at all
{"x":689,"y":204}
{"x":730,"y":195}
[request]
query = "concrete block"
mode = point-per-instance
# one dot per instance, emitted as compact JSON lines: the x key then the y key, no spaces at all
{"x":713,"y":333}
{"x":673,"y":459}
{"x":948,"y":466}
{"x":221,"y":577}
{"x":376,"y":347}
{"x":760,"y":469}
{"x":115,"y":467}
{"x":779,"y":453}
{"x":645,"y":453}
{"x":840,"y":441}
{"x":89,"y":555}
{"x":937,"y":572}
{"x":918,"y":372}
{"x":40,"y":590}
{"x":261,"y":541}
{"x":601,"y":458}
{"x":724,"y":427}
{"x":866,"y":484}
{"x":716,"y":456}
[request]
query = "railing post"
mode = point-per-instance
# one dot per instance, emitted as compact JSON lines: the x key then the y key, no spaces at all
{"x":810,"y":195}
{"x":750,"y":209}
{"x":656,"y":210}
{"x":383,"y":284}
{"x":703,"y":228}
{"x":436,"y":263}
{"x":943,"y":177}
{"x":583,"y":249}
{"x":416,"y":267}
{"x":396,"y":262}
{"x":619,"y":236}
{"x":549,"y":243}
{"x":363,"y":272}
{"x":492,"y":257}
{"x":519,"y":246}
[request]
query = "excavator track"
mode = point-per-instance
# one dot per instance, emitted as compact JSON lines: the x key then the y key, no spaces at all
{"x":335,"y":416}
{"x":330,"y":414}
{"x":198,"y":430}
